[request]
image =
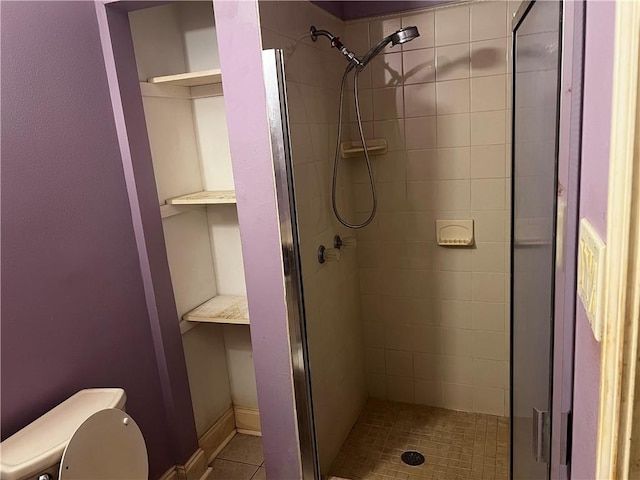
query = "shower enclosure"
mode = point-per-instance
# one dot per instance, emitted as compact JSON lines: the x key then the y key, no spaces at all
{"x":400,"y":340}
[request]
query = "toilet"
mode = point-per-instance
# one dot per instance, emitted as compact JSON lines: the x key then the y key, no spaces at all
{"x":89,"y":436}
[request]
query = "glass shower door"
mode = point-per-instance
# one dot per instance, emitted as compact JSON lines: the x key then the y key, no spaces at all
{"x":536,"y":67}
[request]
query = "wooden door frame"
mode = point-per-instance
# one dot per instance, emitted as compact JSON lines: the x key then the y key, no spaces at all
{"x":619,"y":370}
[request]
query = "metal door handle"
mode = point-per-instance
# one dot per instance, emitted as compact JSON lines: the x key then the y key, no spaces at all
{"x":539,"y":431}
{"x":537,"y":434}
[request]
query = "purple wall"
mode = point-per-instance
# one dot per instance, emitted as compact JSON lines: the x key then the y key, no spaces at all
{"x":73,"y":305}
{"x":239,"y":45}
{"x":350,"y":10}
{"x":599,"y":48}
{"x":122,"y":76}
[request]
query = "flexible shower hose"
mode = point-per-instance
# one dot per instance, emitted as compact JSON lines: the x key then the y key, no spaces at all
{"x":336,"y":162}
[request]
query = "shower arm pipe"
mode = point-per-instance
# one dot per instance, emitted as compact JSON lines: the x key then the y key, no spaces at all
{"x":353,"y":59}
{"x":324,"y":33}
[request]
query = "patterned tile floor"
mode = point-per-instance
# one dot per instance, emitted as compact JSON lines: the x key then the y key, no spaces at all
{"x":456,"y":445}
{"x":241,"y":459}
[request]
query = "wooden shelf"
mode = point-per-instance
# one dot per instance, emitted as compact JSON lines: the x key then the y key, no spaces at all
{"x":190,"y":79}
{"x":205,"y":198}
{"x":167,"y":211}
{"x":220,"y":309}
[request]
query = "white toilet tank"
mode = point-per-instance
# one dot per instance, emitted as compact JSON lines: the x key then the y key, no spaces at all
{"x":88,"y":436}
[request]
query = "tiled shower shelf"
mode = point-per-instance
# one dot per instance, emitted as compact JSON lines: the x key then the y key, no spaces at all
{"x":190,"y":79}
{"x":219,"y":309}
{"x":205,"y":198}
{"x":375,"y":146}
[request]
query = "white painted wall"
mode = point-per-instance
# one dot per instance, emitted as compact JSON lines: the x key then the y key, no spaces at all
{"x":213,"y":143}
{"x":240,"y":364}
{"x":157,"y":41}
{"x":225,"y":247}
{"x":199,"y":35}
{"x":190,"y":261}
{"x":208,"y":374}
{"x":173,"y":144}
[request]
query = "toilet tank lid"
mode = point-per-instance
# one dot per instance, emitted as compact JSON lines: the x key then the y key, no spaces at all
{"x":40,"y":444}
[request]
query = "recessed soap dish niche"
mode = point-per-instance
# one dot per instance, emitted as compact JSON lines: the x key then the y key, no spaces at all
{"x":454,"y":233}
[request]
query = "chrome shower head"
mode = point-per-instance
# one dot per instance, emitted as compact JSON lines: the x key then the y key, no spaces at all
{"x":398,"y":37}
{"x":404,"y":35}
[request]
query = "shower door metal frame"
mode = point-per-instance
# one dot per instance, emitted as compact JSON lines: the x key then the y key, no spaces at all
{"x":549,"y":442}
{"x":569,"y":161}
{"x":277,"y":112}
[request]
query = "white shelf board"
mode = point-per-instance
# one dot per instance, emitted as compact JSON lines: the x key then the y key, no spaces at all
{"x":205,"y":198}
{"x":190,"y":79}
{"x":160,"y":90}
{"x":220,"y":309}
{"x":167,"y":211}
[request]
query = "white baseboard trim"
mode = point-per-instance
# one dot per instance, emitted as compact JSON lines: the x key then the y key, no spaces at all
{"x":195,"y":467}
{"x":253,"y":433}
{"x":217,"y":437}
{"x":224,"y":443}
{"x":247,"y":420}
{"x":207,"y":474}
{"x":235,"y":420}
{"x":171,"y":474}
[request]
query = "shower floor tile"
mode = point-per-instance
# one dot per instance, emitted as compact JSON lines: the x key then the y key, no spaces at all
{"x":456,"y":445}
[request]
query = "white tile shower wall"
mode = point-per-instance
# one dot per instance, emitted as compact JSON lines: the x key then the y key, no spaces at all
{"x":435,"y":318}
{"x":332,"y":298}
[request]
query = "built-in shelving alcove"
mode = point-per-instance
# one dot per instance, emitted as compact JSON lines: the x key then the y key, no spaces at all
{"x":180,"y":83}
